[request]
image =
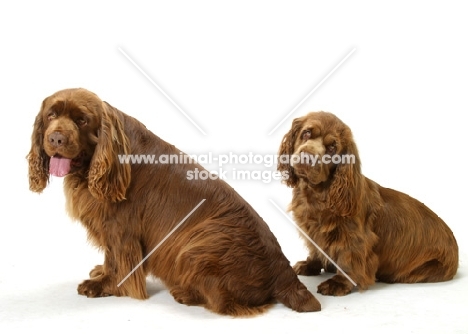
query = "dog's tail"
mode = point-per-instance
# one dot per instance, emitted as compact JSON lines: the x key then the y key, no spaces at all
{"x":293,"y":294}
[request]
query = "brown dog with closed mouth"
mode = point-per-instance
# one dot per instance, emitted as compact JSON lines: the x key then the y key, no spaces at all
{"x":371,"y":232}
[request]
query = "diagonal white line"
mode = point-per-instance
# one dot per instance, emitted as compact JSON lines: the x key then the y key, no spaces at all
{"x":159,"y":88}
{"x":313,"y":90}
{"x":161,"y":242}
{"x":313,"y":243}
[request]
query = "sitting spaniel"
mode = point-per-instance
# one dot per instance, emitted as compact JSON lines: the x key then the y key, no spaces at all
{"x":142,"y":216}
{"x":371,"y":232}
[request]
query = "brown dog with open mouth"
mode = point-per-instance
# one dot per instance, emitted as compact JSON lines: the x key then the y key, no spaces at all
{"x":223,"y":256}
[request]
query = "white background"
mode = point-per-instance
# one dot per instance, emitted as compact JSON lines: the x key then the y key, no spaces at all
{"x":237,"y":69}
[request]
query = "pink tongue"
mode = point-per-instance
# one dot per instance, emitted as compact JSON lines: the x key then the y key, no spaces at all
{"x":59,"y":166}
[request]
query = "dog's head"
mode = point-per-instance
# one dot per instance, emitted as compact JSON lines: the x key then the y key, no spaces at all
{"x":75,"y":132}
{"x":319,"y":150}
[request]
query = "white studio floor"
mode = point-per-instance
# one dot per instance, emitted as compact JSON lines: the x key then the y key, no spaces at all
{"x":38,"y":292}
{"x":241,"y":72}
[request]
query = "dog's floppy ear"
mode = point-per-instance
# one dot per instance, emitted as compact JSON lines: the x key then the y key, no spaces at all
{"x":345,"y":193}
{"x":108,"y":179}
{"x":285,"y":151}
{"x":38,"y":161}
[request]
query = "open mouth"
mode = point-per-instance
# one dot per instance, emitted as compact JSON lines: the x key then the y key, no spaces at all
{"x":61,"y":166}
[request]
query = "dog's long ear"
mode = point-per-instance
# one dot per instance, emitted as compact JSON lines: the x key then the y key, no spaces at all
{"x":285,"y":151}
{"x":345,"y":193}
{"x":38,"y":161}
{"x":108,"y":179}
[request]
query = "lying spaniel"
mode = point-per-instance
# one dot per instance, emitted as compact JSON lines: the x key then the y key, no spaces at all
{"x":372,"y":233}
{"x":223,"y":256}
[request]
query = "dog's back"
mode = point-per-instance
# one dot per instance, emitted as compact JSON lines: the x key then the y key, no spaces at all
{"x":224,"y":255}
{"x":415,"y":245}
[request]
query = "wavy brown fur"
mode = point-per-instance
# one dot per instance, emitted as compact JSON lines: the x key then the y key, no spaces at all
{"x":372,"y":233}
{"x":223,"y":256}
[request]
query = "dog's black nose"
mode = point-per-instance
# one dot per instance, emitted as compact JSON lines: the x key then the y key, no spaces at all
{"x":57,"y":139}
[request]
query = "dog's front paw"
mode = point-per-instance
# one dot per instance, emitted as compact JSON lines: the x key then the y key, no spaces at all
{"x":97,"y":271}
{"x":93,"y":288}
{"x":308,"y":268}
{"x":335,"y":286}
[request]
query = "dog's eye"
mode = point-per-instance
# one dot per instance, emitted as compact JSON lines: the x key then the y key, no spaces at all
{"x":306,"y":134}
{"x":52,"y":115}
{"x":81,"y":121}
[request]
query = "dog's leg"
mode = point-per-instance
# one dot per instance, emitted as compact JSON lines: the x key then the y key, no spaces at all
{"x":429,"y":271}
{"x":122,"y":255}
{"x":312,"y":266}
{"x":354,"y":255}
{"x":361,"y":270}
{"x":187,"y":296}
